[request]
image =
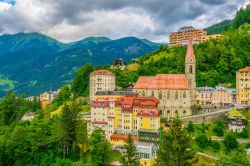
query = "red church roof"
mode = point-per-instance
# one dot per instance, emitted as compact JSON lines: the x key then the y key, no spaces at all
{"x":190,"y":52}
{"x":162,"y":81}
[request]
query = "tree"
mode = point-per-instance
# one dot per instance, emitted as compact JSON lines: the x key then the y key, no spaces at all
{"x":202,"y":140}
{"x":234,"y":159}
{"x":63,"y":96}
{"x":190,"y":127}
{"x":100,"y":149}
{"x":130,"y":157}
{"x":219,"y":128}
{"x":80,"y":83}
{"x":244,"y":133}
{"x":176,"y":147}
{"x":230,"y":142}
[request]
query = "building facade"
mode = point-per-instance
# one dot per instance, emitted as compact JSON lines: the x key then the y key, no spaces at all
{"x":182,"y":36}
{"x":218,"y":96}
{"x":119,"y":63}
{"x":101,"y":80}
{"x":176,"y":92}
{"x":125,"y":114}
{"x":236,"y":121}
{"x":243,"y":85}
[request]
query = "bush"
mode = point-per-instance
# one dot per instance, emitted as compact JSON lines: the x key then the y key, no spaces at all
{"x":202,"y":141}
{"x":190,"y":127}
{"x":218,"y":129}
{"x":244,"y":133}
{"x":230,"y":142}
{"x":215,"y":145}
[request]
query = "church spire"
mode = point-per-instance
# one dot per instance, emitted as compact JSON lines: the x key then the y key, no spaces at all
{"x":190,"y":57}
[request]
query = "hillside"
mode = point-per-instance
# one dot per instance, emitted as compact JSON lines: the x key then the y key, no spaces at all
{"x":32,"y":63}
{"x":219,"y":27}
{"x":217,"y":60}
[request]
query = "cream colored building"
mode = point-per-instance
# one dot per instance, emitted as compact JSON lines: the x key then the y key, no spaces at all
{"x":243,"y":85}
{"x":176,"y":92}
{"x":221,"y":96}
{"x":204,"y":96}
{"x":101,"y":80}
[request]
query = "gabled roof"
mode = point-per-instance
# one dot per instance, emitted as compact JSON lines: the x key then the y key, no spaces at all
{"x":190,"y":52}
{"x":234,"y":114}
{"x":162,"y":81}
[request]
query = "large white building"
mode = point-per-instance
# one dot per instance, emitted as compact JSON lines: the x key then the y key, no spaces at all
{"x":101,"y":80}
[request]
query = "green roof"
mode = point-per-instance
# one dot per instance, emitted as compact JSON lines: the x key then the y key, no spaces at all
{"x":234,"y":114}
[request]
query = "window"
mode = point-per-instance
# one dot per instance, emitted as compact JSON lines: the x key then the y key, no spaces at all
{"x":168,"y":95}
{"x":176,"y":95}
{"x":160,"y":95}
{"x":168,"y":112}
{"x":184,"y":94}
{"x":184,"y":112}
{"x":152,"y":93}
{"x":190,"y":69}
{"x":176,"y":112}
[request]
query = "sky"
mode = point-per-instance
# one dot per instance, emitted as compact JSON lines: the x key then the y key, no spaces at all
{"x":71,"y":20}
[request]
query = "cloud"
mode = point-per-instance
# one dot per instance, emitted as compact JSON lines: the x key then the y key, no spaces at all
{"x":68,"y":20}
{"x":4,"y":6}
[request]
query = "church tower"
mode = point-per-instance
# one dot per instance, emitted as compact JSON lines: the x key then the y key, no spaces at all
{"x":190,"y":66}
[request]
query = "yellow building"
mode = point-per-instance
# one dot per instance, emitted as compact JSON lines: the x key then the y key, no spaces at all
{"x":243,"y":85}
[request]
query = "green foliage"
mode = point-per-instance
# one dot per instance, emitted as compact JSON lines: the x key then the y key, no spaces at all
{"x":80,"y":83}
{"x":63,"y":96}
{"x":217,"y":60}
{"x":215,"y":145}
{"x":100,"y":150}
{"x":218,"y":128}
{"x":230,"y":142}
{"x":175,"y":147}
{"x":13,"y":107}
{"x":244,"y":133}
{"x":190,"y":127}
{"x":234,"y":159}
{"x":219,"y":27}
{"x":242,"y":17}
{"x":202,"y":141}
{"x":130,"y":157}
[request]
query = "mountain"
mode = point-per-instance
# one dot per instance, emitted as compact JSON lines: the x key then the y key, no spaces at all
{"x":219,"y":27}
{"x":32,"y":63}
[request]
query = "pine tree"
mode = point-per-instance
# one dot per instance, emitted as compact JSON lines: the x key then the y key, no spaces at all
{"x":130,"y":157}
{"x":176,"y":147}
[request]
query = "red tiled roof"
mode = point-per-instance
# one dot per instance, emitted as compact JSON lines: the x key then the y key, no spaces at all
{"x":149,"y":112}
{"x":190,"y":52}
{"x":99,"y":122}
{"x":122,"y":137}
{"x":102,"y":72}
{"x":246,"y":69}
{"x":162,"y":81}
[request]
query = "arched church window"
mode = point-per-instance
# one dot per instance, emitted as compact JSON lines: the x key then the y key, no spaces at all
{"x":190,"y":69}
{"x":168,"y":95}
{"x":160,"y":95}
{"x":184,"y":94}
{"x":152,"y":94}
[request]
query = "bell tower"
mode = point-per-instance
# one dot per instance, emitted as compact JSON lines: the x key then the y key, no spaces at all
{"x":190,"y":66}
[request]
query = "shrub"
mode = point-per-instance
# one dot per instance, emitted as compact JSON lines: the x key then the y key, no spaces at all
{"x":190,"y":127}
{"x":244,"y":133}
{"x":215,"y":145}
{"x":230,"y":142}
{"x":202,"y":141}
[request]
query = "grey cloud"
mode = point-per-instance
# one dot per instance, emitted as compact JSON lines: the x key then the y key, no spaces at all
{"x":162,"y":17}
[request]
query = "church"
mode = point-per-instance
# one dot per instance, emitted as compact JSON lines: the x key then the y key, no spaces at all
{"x":176,"y":92}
